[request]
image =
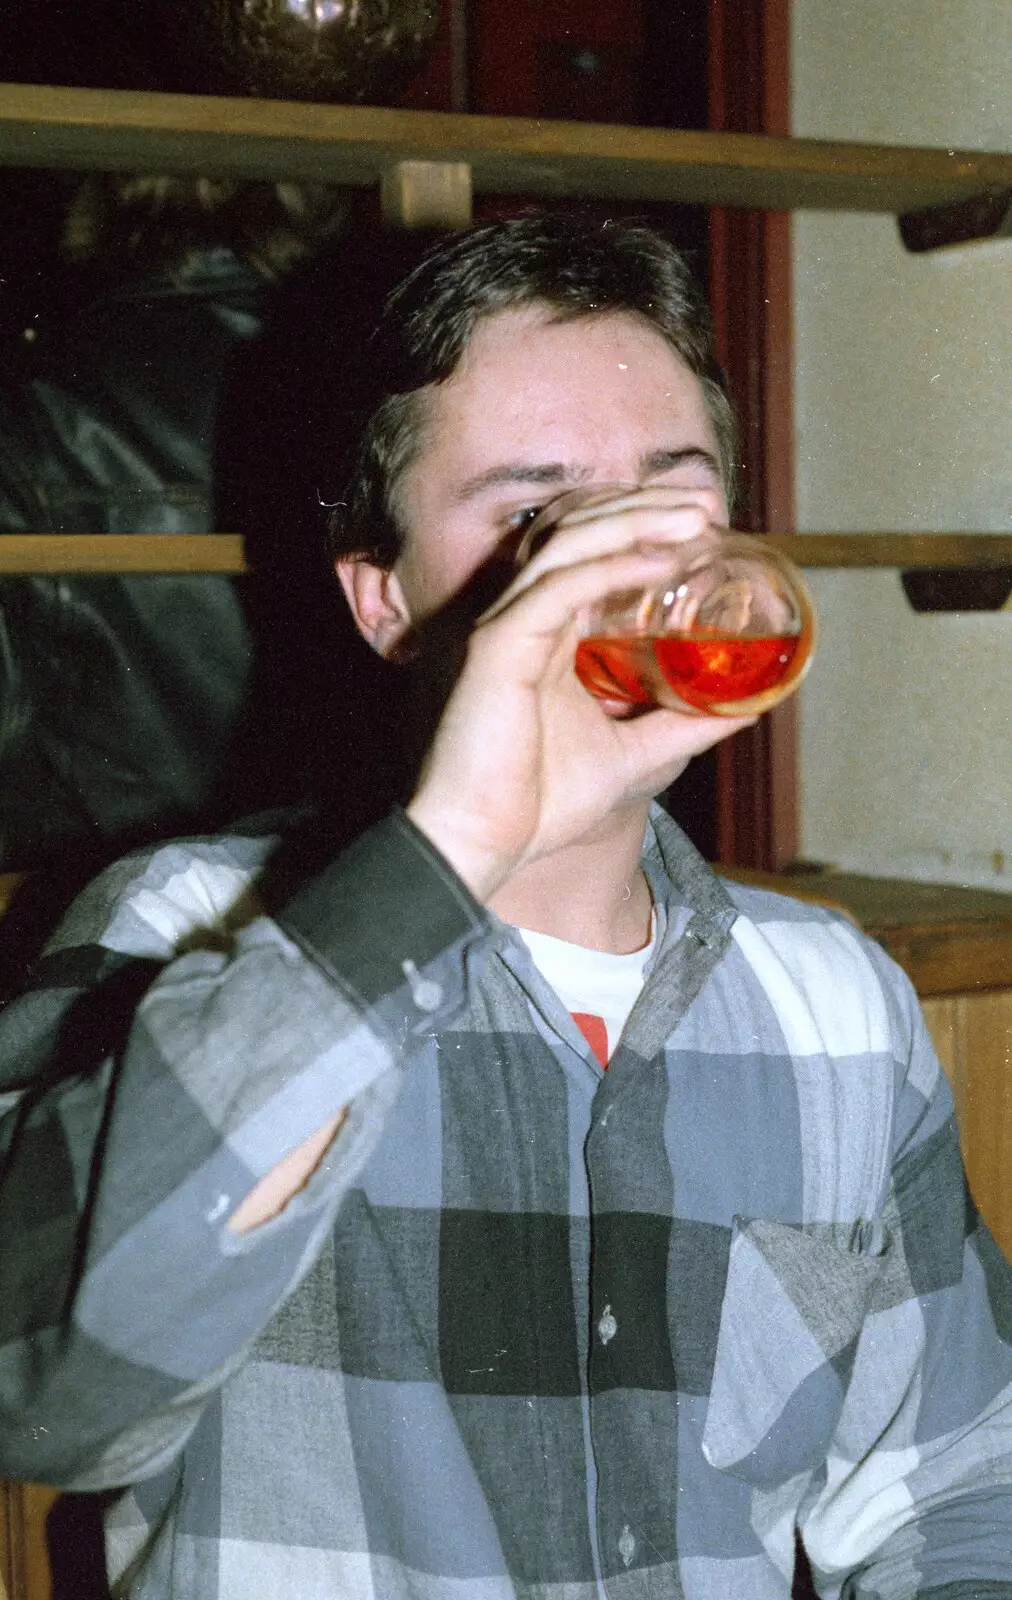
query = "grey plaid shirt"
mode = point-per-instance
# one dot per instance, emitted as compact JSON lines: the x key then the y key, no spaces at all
{"x":532,"y":1330}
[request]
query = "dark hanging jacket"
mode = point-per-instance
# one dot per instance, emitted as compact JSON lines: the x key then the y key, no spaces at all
{"x":120,"y":696}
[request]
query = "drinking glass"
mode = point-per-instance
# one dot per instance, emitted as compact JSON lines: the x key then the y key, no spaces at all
{"x":729,"y":631}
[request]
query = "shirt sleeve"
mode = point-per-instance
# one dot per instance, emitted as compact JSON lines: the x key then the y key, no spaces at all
{"x":177,"y":1043}
{"x":917,"y":1490}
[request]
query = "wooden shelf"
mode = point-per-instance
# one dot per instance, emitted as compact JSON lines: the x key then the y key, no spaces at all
{"x":55,"y":553}
{"x":906,"y":550}
{"x":223,"y":552}
{"x":95,"y":129}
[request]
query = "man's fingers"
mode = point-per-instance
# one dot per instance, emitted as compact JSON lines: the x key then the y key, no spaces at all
{"x":549,"y":600}
{"x":586,"y":538}
{"x":656,"y":497}
{"x":585,"y":506}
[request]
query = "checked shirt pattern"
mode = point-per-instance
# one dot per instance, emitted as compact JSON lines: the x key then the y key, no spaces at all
{"x":532,"y":1331}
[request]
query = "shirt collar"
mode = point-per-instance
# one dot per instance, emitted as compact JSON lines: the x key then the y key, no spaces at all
{"x":683,"y":885}
{"x":686,"y":892}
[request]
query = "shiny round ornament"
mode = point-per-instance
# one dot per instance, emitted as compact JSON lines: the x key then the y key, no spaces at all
{"x":349,"y":51}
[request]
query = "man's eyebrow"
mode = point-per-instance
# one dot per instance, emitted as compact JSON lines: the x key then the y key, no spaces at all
{"x":658,"y":461}
{"x":555,"y":473}
{"x":548,"y":473}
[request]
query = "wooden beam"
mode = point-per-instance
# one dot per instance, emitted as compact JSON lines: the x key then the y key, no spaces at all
{"x":129,"y":130}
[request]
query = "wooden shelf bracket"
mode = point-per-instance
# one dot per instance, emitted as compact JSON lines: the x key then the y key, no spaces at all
{"x":982,"y":216}
{"x":426,"y":194}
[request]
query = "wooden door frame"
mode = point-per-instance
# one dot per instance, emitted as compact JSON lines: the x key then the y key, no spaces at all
{"x":752,"y":301}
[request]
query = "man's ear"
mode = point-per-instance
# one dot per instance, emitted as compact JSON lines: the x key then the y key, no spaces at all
{"x":377,"y":603}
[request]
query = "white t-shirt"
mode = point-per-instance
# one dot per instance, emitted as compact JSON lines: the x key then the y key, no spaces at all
{"x":598,"y":989}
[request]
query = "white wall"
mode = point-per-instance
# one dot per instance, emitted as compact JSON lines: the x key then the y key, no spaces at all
{"x":903,"y":392}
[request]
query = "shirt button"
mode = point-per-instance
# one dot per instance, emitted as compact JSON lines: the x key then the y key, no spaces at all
{"x":626,"y":1545}
{"x":607,"y":1327}
{"x":425,"y":992}
{"x":219,"y":1208}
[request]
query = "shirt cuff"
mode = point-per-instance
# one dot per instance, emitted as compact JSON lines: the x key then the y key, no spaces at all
{"x":388,"y":922}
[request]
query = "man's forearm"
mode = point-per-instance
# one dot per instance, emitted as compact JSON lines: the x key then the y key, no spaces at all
{"x":231,"y":1073}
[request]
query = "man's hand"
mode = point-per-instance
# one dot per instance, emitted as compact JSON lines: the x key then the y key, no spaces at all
{"x":525,"y":761}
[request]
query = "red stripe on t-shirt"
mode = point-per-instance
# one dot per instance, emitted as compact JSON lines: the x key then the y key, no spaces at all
{"x":595,"y":1033}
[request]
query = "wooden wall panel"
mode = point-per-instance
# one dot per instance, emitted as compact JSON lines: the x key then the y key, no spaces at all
{"x":24,"y":1562}
{"x":576,"y":59}
{"x":973,"y":1037}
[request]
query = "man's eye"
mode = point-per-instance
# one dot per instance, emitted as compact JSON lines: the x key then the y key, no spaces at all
{"x":520,"y":521}
{"x":517,"y":539}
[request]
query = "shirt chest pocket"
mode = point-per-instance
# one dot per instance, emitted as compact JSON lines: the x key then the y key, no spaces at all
{"x":793,"y":1308}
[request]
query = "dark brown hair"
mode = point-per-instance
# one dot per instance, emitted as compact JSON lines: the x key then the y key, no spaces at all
{"x":577,"y":267}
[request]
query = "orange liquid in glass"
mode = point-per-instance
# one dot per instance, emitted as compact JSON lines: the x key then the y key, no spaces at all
{"x":712,"y":672}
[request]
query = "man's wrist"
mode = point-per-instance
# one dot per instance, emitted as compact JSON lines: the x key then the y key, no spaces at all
{"x":480,"y":868}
